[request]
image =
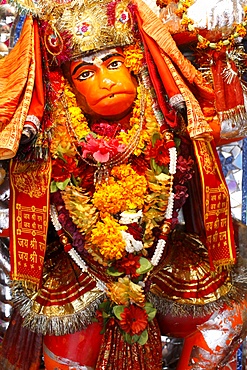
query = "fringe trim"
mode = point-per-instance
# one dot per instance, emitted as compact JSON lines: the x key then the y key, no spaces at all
{"x":56,"y":325}
{"x":233,"y":122}
{"x":236,"y":294}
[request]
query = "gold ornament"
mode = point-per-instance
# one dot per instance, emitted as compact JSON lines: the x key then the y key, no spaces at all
{"x":76,"y":27}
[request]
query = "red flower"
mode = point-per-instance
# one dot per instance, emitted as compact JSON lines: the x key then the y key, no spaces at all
{"x":184,"y":169}
{"x":134,"y":320}
{"x":160,"y":153}
{"x":99,"y":316}
{"x":101,"y":150}
{"x":140,"y":164}
{"x":104,"y":129}
{"x":135,"y":230}
{"x":128,"y":265}
{"x":63,"y":168}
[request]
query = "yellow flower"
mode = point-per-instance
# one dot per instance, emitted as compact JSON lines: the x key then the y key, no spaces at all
{"x":240,"y":29}
{"x":106,"y":238}
{"x":124,"y":191}
{"x":186,"y":20}
{"x":133,"y":58}
{"x":77,"y":118}
{"x":124,"y":292}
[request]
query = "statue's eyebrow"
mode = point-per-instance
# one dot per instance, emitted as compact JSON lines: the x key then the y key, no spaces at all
{"x":111,"y":55}
{"x":79,"y":66}
{"x":83,"y":63}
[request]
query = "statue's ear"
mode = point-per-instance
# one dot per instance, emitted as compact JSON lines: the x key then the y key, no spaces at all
{"x":17,"y":75}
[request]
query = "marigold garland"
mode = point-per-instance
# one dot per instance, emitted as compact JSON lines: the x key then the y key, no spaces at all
{"x":203,"y":43}
{"x":107,"y":239}
{"x":125,"y":190}
{"x":133,"y":58}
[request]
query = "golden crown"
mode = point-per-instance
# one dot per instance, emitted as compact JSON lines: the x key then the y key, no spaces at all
{"x":71,"y":28}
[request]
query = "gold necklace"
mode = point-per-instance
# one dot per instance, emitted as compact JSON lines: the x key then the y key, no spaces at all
{"x":103,"y":169}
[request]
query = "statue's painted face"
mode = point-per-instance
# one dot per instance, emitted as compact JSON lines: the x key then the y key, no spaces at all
{"x":104,"y":83}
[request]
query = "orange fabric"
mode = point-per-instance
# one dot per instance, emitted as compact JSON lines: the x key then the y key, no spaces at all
{"x":158,"y":38}
{"x":154,"y":27}
{"x":17,"y":71}
{"x":37,"y":103}
{"x":164,"y":72}
{"x":197,"y":126}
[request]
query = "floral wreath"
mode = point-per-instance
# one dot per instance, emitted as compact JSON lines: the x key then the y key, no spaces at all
{"x":103,"y":221}
{"x":203,"y":43}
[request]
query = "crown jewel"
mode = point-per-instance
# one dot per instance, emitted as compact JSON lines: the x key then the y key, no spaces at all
{"x":72,"y":28}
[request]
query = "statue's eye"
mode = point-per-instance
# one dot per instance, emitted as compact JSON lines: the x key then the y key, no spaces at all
{"x":115,"y":64}
{"x":85,"y":75}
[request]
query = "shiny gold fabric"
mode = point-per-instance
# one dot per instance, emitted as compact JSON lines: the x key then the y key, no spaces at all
{"x":190,"y":280}
{"x":66,"y":302}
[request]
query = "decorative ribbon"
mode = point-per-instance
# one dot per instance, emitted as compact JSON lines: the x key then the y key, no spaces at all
{"x":29,"y":183}
{"x":216,"y":206}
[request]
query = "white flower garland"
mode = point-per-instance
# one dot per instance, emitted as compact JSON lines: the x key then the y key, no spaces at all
{"x":129,"y":217}
{"x":72,"y":252}
{"x":132,"y":245}
{"x":169,"y":210}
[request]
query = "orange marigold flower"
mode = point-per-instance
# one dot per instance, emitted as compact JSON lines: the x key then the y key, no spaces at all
{"x":241,"y":30}
{"x":124,"y":190}
{"x":133,"y":58}
{"x":124,"y":291}
{"x":134,"y":320}
{"x":106,"y":237}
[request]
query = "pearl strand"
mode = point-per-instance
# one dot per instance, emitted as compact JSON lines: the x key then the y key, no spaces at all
{"x":160,"y":246}
{"x":71,"y":251}
{"x":102,"y":171}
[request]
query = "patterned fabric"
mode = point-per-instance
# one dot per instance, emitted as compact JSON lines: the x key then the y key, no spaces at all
{"x":16,"y":86}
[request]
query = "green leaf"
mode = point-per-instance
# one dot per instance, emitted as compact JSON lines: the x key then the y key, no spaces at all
{"x":155,"y":137}
{"x":152,"y":314}
{"x":135,"y":338}
{"x":145,"y":266}
{"x":127,"y":338}
{"x":105,"y":315}
{"x":155,"y":167}
{"x":105,"y":306}
{"x":74,"y":181}
{"x":143,"y":337}
{"x":53,"y":187}
{"x":117,"y":310}
{"x":148,"y":306}
{"x":113,"y":272}
{"x":62,"y":185}
{"x":177,"y":141}
{"x":150,"y":310}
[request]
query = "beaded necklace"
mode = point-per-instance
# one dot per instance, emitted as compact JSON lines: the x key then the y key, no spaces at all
{"x":113,"y":219}
{"x":102,"y":171}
